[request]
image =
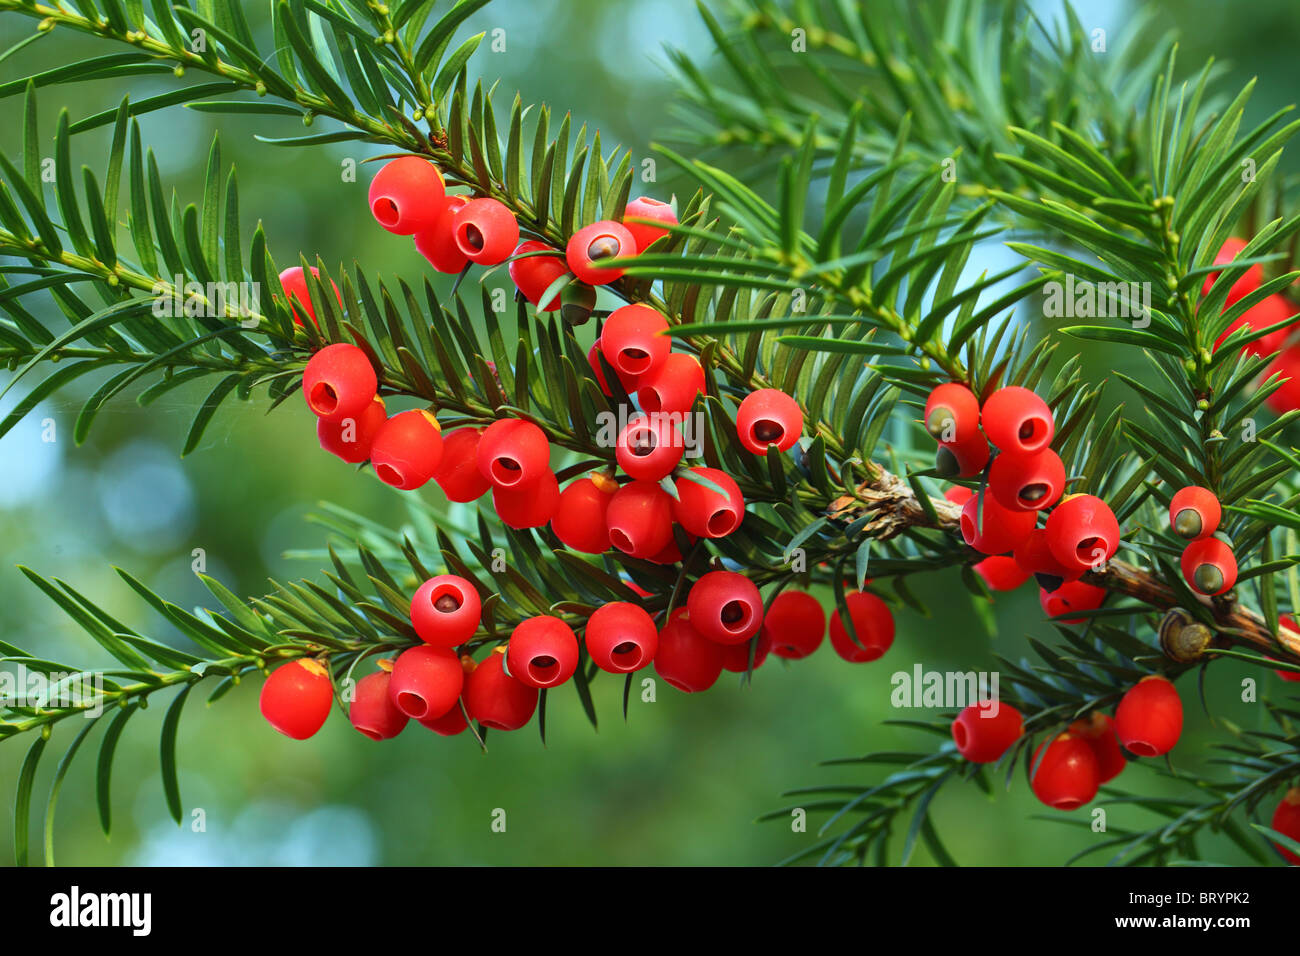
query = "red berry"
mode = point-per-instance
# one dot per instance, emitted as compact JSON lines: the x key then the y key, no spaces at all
{"x":458,"y":475}
{"x":985,"y":731}
{"x":1257,"y":318}
{"x":1098,"y":730}
{"x":643,"y":207}
{"x":426,"y":681}
{"x":796,"y":623}
{"x":1286,"y":821}
{"x":1194,"y":512}
{"x":592,"y":244}
{"x":1244,"y":286}
{"x":534,"y":274}
{"x":635,"y":342}
{"x":673,"y":386}
{"x":495,"y":699}
{"x":407,"y":450}
{"x":768,"y":417}
{"x":640,"y":519}
{"x":952,"y":414}
{"x":990,"y":528}
{"x":669,"y":553}
{"x":339,"y":382}
{"x":1287,"y":367}
{"x":872,"y":622}
{"x":445,"y":610}
{"x":406,"y":195}
{"x":1001,"y":573}
{"x":735,"y":657}
{"x":1082,"y":532}
{"x":621,"y":637}
{"x":1209,"y":566}
{"x":350,"y":438}
{"x":1017,"y":421}
{"x":1036,"y":557}
{"x":1149,"y":719}
{"x":447,"y":725}
{"x":1067,"y":774}
{"x":629,"y":382}
{"x":962,"y":459}
{"x":513,"y":453}
{"x":1288,"y":622}
{"x":649,"y":447}
{"x":701,"y":510}
{"x":685,"y":659}
{"x":579,"y":520}
{"x":372,"y":711}
{"x":297,"y":697}
{"x":1072,"y":596}
{"x":543,"y":652}
{"x":294,"y":283}
{"x":959,"y":495}
{"x":725,"y":607}
{"x":1029,"y":483}
{"x":530,"y":505}
{"x":485,"y":231}
{"x":437,"y":243}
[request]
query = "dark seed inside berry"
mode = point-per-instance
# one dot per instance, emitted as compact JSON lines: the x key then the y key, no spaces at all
{"x":627,"y":647}
{"x":1208,"y":578}
{"x":606,"y":247}
{"x":732,"y":612}
{"x":543,"y":662}
{"x":1027,"y":430}
{"x":642,"y":444}
{"x":474,"y":236}
{"x":769,"y":432}
{"x":636,"y":354}
{"x":447,"y":603}
{"x":508,"y":464}
{"x":1048,"y":582}
{"x":946,"y":464}
{"x":1035,"y":492}
{"x":1088,"y":548}
{"x":1187,"y":523}
{"x":939,"y":422}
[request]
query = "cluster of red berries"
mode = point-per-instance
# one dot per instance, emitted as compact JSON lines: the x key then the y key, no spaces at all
{"x":1273,"y":310}
{"x":1025,"y":479}
{"x":1208,"y":564}
{"x":1068,"y":769}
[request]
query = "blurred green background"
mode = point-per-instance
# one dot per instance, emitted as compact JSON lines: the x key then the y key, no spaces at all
{"x":684,"y":779}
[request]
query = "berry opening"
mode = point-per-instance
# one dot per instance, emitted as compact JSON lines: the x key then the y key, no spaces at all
{"x":447,"y":602}
{"x":628,"y":654}
{"x":946,"y":464}
{"x":767,"y":432}
{"x":968,"y":531}
{"x":389,"y":475}
{"x":633,"y":361}
{"x":324,"y":400}
{"x":1142,"y":748}
{"x":474,"y":236}
{"x":735,"y":615}
{"x":1032,"y":431}
{"x":1208,"y":578}
{"x":385,"y":211}
{"x":619,"y":538}
{"x":413,"y":704}
{"x":651,"y":400}
{"x":1033,"y":493}
{"x":1087,"y":549}
{"x":507,"y":471}
{"x":642,"y":443}
{"x":959,"y":734}
{"x":1067,"y":803}
{"x":370,"y":733}
{"x":940,"y":421}
{"x":722,"y":522}
{"x":1187,"y":523}
{"x":603,"y":247}
{"x":543,"y":668}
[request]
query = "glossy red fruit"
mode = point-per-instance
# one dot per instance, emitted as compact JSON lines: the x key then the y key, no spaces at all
{"x":350,"y":438}
{"x":406,"y":195}
{"x":796,"y":624}
{"x":634,"y":340}
{"x":1098,"y":730}
{"x":640,"y":519}
{"x":1209,"y":566}
{"x":372,"y":710}
{"x":534,"y":274}
{"x":1246,"y":284}
{"x":1286,"y":821}
{"x":703,"y":511}
{"x":1287,"y":367}
{"x":621,"y":637}
{"x":1288,"y":622}
{"x":1067,"y":775}
{"x":529,"y":506}
{"x":294,"y":283}
{"x":768,"y":417}
{"x":962,"y":459}
{"x":685,"y":659}
{"x":1149,"y":719}
{"x":1257,"y":318}
{"x":1017,"y":421}
{"x":952,"y":413}
{"x":735,"y":657}
{"x":437,"y":243}
{"x":458,"y":475}
{"x":1001,"y":573}
{"x":873,"y":623}
{"x":649,"y":447}
{"x":590,"y":245}
{"x":629,"y":382}
{"x":959,"y":495}
{"x":579,"y":519}
{"x":672,"y":388}
{"x":1082,"y":532}
{"x":983,"y":732}
{"x":1194,"y":512}
{"x":513,"y":453}
{"x":445,"y":610}
{"x":725,"y":607}
{"x":1027,"y":483}
{"x":990,"y":528}
{"x":645,"y":208}
{"x":297,"y":697}
{"x":485,"y":231}
{"x":447,"y":725}
{"x":1071,"y":597}
{"x":495,"y":699}
{"x":407,"y":450}
{"x":426,"y":681}
{"x":1036,"y":557}
{"x":543,"y":652}
{"x":339,"y":382}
